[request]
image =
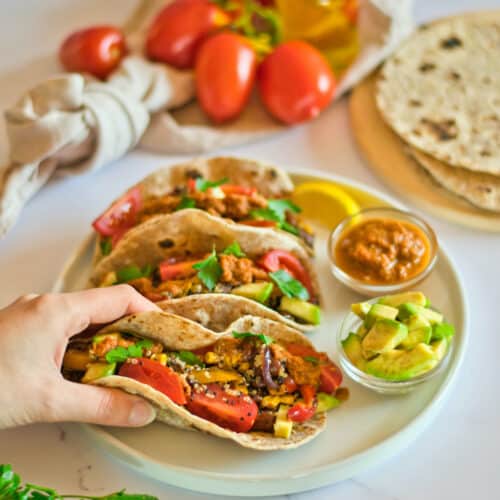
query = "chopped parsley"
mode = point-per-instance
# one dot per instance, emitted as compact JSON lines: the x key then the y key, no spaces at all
{"x":106,"y":246}
{"x":209,"y":270}
{"x":260,"y":336}
{"x":189,"y":358}
{"x":121,"y":354}
{"x":234,"y":249}
{"x":186,"y":202}
{"x":126,"y":274}
{"x":276,"y":212}
{"x":289,"y":285}
{"x":202,"y":184}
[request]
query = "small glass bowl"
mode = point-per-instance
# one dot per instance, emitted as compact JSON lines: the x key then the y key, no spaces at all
{"x":374,"y":290}
{"x":350,"y":324}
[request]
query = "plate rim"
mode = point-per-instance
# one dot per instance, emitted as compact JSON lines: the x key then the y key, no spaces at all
{"x":316,"y":477}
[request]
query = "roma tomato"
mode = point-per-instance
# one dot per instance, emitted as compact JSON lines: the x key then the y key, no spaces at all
{"x":97,"y":50}
{"x":172,"y":270}
{"x":159,"y":377}
{"x":237,"y":413}
{"x":120,"y":216}
{"x":225,"y":74}
{"x":178,"y":30}
{"x":295,"y":82}
{"x":301,"y":412}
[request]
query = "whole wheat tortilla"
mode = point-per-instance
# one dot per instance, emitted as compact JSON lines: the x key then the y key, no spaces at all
{"x":478,"y":188}
{"x":177,"y":333}
{"x":441,"y":91}
{"x":194,"y":232}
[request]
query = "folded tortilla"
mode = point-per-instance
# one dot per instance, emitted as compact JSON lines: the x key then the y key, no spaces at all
{"x":177,"y":333}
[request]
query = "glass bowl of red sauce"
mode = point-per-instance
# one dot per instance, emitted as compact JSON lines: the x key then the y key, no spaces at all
{"x":380,"y":251}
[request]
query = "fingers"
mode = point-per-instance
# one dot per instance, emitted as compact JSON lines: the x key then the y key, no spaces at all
{"x":99,"y":405}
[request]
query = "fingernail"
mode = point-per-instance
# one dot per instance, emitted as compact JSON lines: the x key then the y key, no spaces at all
{"x":142,"y":414}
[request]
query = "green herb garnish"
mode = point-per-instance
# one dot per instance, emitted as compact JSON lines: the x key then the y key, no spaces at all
{"x":186,"y":202}
{"x":12,"y":489}
{"x":189,"y":358}
{"x":289,"y":285}
{"x":202,"y":184}
{"x":106,"y":246}
{"x":280,"y":207}
{"x":126,"y":274}
{"x":263,"y":338}
{"x":311,"y":359}
{"x":121,"y":354}
{"x":276,"y":212}
{"x":209,"y":270}
{"x":234,"y":249}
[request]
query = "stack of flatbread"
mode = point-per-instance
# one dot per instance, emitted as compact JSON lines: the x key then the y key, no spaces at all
{"x":440,"y":93}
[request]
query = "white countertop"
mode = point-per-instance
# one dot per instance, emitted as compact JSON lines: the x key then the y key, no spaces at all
{"x":456,"y":458}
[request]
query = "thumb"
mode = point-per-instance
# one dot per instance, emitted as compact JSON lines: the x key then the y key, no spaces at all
{"x":99,"y":405}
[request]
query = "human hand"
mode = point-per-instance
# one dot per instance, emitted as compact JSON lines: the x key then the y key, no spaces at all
{"x":34,"y":332}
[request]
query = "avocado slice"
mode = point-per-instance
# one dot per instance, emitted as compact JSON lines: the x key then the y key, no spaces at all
{"x":417,"y":336}
{"x":402,"y":365}
{"x":440,"y":348}
{"x":98,"y":370}
{"x":384,"y":336}
{"x":443,"y":331}
{"x":326,"y":402}
{"x":310,"y":313}
{"x":353,"y":350}
{"x":260,"y":291}
{"x":361,"y":309}
{"x":416,"y":322}
{"x":400,"y":298}
{"x":407,"y":310}
{"x":379,"y":311}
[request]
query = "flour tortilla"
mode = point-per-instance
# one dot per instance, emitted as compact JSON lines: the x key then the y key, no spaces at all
{"x":194,"y":232}
{"x":441,"y":91}
{"x":177,"y":333}
{"x":478,"y":188}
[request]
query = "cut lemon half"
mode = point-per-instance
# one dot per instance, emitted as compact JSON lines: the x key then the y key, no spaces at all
{"x":324,"y":203}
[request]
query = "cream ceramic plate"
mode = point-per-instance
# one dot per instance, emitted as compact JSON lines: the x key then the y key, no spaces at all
{"x":364,"y":431}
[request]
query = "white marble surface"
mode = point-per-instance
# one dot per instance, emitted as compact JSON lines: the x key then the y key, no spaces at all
{"x":456,"y":458}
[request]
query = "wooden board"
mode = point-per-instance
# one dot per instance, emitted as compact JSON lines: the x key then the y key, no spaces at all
{"x":385,"y":154}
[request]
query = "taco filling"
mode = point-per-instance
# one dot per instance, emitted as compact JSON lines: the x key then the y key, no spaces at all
{"x":241,"y":204}
{"x":277,"y":279}
{"x":245,"y":382}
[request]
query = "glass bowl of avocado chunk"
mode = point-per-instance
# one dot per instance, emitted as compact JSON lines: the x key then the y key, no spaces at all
{"x":394,"y":343}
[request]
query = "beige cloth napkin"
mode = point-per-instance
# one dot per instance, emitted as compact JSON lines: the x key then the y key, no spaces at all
{"x":70,"y":124}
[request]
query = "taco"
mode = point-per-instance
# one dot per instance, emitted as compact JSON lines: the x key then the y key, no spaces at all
{"x":191,"y":252}
{"x":260,"y":383}
{"x":244,"y":191}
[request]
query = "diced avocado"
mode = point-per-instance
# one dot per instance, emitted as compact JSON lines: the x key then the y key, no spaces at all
{"x":407,"y":310}
{"x":260,"y":291}
{"x":361,"y":331}
{"x":400,"y":298}
{"x":416,"y":322}
{"x":361,"y":309}
{"x":402,"y":365}
{"x":310,"y":313}
{"x":282,"y":426}
{"x":379,"y":311}
{"x":384,"y":336}
{"x":440,"y":347}
{"x":326,"y":402}
{"x":98,"y":370}
{"x":353,"y":350}
{"x":417,"y":336}
{"x":443,"y":331}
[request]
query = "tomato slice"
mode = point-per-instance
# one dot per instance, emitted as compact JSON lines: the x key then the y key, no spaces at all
{"x":171,"y":269}
{"x":259,"y":223}
{"x":300,"y":412}
{"x":234,"y":189}
{"x":159,"y":377}
{"x":280,"y":259}
{"x":121,"y":215}
{"x":330,"y":378}
{"x":236,"y":413}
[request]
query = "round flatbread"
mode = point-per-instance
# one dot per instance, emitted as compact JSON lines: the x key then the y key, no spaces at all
{"x":441,"y":91}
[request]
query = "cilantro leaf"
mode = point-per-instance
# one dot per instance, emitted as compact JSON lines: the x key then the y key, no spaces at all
{"x":280,"y":207}
{"x":202,"y":184}
{"x":311,"y":359}
{"x":186,"y":202}
{"x":266,"y":214}
{"x":189,"y":358}
{"x":276,"y":212}
{"x":106,"y":246}
{"x":209,"y":270}
{"x":289,"y":285}
{"x":126,"y":274}
{"x":121,"y":354}
{"x":286,"y":226}
{"x":234,"y":249}
{"x":263,"y":338}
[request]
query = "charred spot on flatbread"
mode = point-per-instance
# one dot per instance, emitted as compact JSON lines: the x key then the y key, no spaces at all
{"x":444,"y":130}
{"x":426,"y":67}
{"x":451,"y":42}
{"x":166,"y":243}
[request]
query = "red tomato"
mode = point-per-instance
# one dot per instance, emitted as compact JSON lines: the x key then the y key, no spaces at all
{"x":225,"y":74}
{"x":295,"y":82}
{"x":290,"y":385}
{"x":308,"y":393}
{"x":191,"y":184}
{"x":121,"y":215}
{"x":157,"y":376}
{"x":172,"y":270}
{"x":330,"y":378}
{"x":237,"y":413}
{"x":234,"y":189}
{"x":300,"y":412}
{"x":258,"y":223}
{"x":302,"y":350}
{"x":178,"y":30}
{"x":280,"y":259}
{"x":97,"y":50}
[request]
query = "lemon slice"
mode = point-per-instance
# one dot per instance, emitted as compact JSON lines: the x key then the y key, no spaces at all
{"x":324,"y":202}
